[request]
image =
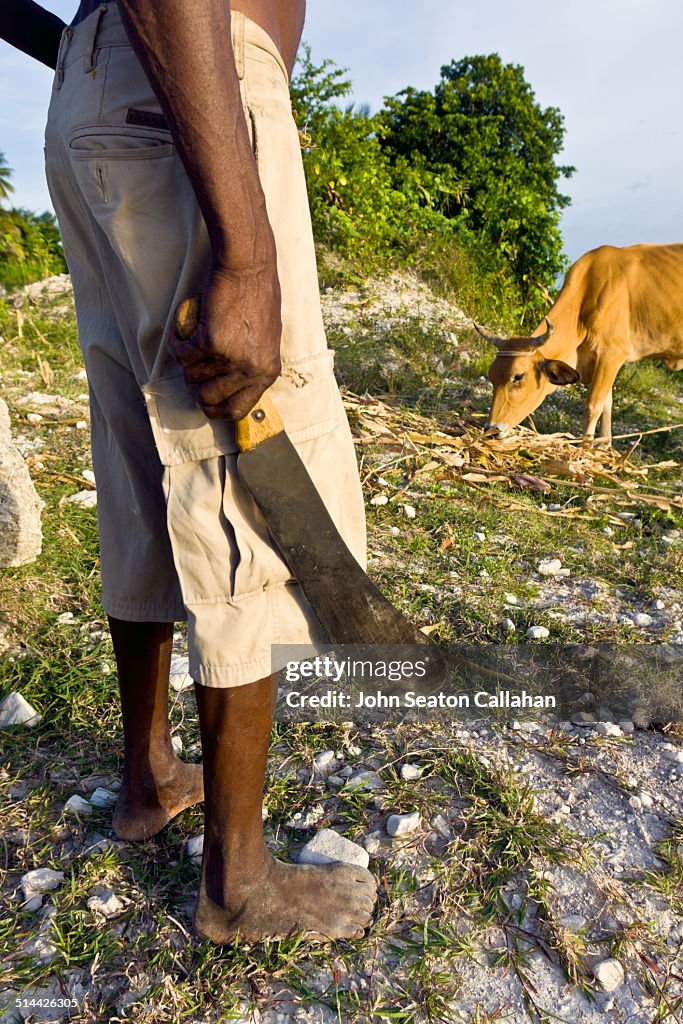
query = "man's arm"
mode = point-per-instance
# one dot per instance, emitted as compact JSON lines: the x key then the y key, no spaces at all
{"x":32,"y":29}
{"x":186,"y":50}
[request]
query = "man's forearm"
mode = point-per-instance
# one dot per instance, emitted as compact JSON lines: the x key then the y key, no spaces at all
{"x":32,"y":29}
{"x":186,"y":50}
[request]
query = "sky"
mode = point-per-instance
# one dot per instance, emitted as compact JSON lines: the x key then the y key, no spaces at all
{"x":611,"y":66}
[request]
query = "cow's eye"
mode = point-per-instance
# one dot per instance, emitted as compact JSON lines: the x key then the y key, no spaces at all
{"x":518,"y":376}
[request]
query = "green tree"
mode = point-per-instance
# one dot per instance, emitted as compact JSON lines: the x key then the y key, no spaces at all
{"x":365,"y":204}
{"x":482,"y":125}
{"x":6,"y":187}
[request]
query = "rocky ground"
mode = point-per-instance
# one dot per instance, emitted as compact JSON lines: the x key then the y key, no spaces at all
{"x":527,"y":870}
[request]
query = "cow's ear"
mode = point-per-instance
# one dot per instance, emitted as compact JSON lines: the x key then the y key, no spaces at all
{"x":559,"y":373}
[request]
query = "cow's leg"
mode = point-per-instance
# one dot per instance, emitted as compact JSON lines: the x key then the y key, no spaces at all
{"x":599,"y":403}
{"x":605,"y":434}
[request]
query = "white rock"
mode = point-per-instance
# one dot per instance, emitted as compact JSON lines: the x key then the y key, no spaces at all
{"x":481,"y":537}
{"x":573,"y":922}
{"x":20,"y":506}
{"x":41,"y":948}
{"x":554,"y":507}
{"x":379,"y":499}
{"x":509,"y":626}
{"x":364,"y":780}
{"x":324,"y":762}
{"x":625,"y":516}
{"x":34,"y":902}
{"x":609,"y":973}
{"x":635,"y":802}
{"x":180,"y":677}
{"x":403,"y":824}
{"x":441,"y":825}
{"x":64,"y":618}
{"x":627,"y":727}
{"x":373,"y":843}
{"x":537,"y":633}
{"x":107,"y":905}
{"x":642,"y":619}
{"x":84,"y":499}
{"x":40,"y":880}
{"x":646,"y":799}
{"x":77,"y":806}
{"x":659,"y":605}
{"x":607,"y":729}
{"x":88,"y":475}
{"x":194,"y":848}
{"x":673,"y":755}
{"x":549,"y":566}
{"x":16,"y":710}
{"x":410,"y":772}
{"x":102,"y":797}
{"x":510,"y":598}
{"x":327,"y":846}
{"x":177,"y":744}
{"x":409,"y":512}
{"x":394,"y":531}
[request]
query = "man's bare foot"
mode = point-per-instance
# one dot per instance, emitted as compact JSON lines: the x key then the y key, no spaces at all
{"x":331,"y":901}
{"x":146,"y":805}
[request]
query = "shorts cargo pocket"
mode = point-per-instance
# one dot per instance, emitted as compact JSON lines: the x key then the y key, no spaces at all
{"x":221,"y":545}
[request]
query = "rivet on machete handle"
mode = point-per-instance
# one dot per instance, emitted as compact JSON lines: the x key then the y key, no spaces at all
{"x":263,"y":421}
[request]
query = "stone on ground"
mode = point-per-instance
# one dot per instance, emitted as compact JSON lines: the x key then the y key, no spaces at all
{"x":20,"y":531}
{"x":403,"y":824}
{"x":327,"y":846}
{"x":16,"y":710}
{"x":609,"y":973}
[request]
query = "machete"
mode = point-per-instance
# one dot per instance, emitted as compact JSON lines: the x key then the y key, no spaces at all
{"x":347,"y":604}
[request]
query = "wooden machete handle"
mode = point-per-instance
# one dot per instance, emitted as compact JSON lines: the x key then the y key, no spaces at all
{"x":261,"y":422}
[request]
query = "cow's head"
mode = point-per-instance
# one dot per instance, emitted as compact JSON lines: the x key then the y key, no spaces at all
{"x":522,"y":376}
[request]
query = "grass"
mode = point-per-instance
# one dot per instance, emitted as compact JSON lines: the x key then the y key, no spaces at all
{"x":446,"y":913}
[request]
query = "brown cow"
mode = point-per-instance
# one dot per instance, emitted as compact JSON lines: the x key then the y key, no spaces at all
{"x":616,"y":306}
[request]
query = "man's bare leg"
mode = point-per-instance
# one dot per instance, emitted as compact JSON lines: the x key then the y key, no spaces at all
{"x":244,"y":890}
{"x":156,"y":784}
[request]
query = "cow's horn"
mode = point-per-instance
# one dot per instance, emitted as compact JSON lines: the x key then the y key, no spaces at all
{"x":492,"y":338}
{"x":541,"y":339}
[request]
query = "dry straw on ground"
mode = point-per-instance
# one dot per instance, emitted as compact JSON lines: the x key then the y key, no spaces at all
{"x":525,"y":460}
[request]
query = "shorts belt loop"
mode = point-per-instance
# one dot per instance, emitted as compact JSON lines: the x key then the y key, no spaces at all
{"x":237,"y":32}
{"x":61,"y":56}
{"x":90,"y":52}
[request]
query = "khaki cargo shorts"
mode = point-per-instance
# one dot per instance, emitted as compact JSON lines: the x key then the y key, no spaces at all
{"x":180,"y":536}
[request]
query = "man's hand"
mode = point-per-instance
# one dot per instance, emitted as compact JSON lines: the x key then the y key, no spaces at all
{"x":234,"y":354}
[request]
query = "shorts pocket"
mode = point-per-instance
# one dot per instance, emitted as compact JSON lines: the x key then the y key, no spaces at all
{"x":120,"y":142}
{"x":304,"y":394}
{"x":221,"y":545}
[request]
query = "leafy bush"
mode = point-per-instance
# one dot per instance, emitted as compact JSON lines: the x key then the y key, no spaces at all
{"x":30,"y":247}
{"x":461,"y":181}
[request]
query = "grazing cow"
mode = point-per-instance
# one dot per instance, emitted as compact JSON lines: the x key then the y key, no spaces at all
{"x":616,"y":306}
